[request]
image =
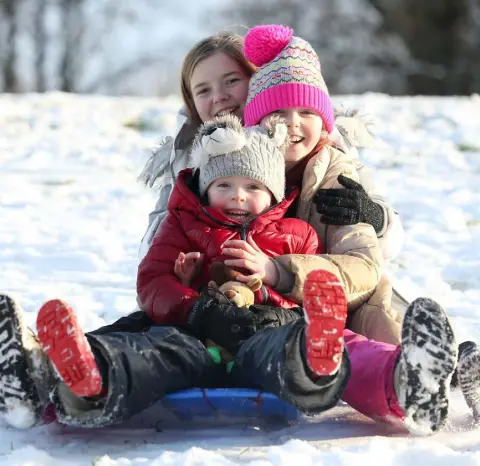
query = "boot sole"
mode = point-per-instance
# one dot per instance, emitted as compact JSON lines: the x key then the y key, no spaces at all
{"x":17,"y":388}
{"x":64,"y":342}
{"x":429,"y":355}
{"x":325,"y":306}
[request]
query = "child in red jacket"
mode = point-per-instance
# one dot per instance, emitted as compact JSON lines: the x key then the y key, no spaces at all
{"x":237,"y":192}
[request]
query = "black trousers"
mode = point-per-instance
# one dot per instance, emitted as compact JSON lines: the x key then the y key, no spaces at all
{"x":141,"y":362}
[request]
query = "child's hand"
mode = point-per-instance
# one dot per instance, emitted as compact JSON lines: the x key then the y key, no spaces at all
{"x":252,"y":258}
{"x":187,"y":267}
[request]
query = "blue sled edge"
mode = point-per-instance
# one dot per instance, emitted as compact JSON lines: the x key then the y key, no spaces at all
{"x":236,"y":402}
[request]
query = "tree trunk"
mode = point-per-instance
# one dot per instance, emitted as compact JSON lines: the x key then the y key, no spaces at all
{"x":40,"y":39}
{"x":10,"y":12}
{"x":72,"y":23}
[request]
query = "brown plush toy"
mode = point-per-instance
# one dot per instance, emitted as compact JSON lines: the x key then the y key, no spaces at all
{"x":227,"y":289}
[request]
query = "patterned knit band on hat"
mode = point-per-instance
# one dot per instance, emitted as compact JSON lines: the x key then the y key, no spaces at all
{"x":288,"y":75}
{"x":223,"y":147}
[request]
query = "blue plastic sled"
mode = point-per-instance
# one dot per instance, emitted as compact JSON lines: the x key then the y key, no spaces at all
{"x":228,"y":402}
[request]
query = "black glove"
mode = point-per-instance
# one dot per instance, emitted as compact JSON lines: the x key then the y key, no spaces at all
{"x":348,"y":206}
{"x":272,"y":316}
{"x":226,"y":324}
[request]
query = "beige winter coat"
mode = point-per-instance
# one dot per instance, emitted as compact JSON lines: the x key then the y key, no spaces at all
{"x":353,"y":251}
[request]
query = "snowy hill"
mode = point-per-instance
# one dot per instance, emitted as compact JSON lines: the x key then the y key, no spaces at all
{"x":72,"y":216}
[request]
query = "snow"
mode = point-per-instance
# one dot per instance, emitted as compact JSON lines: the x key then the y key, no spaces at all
{"x":72,"y":216}
{"x":19,"y":416}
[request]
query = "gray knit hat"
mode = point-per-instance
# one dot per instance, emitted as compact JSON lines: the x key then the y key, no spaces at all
{"x":223,"y":147}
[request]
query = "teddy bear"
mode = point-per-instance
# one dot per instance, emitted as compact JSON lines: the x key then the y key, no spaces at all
{"x":226,"y":289}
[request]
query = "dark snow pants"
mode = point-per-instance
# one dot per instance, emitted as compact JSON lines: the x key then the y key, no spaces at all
{"x":142,"y":362}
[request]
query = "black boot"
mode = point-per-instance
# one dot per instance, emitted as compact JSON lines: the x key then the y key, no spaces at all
{"x":25,"y":374}
{"x":425,"y":366}
{"x":469,"y":376}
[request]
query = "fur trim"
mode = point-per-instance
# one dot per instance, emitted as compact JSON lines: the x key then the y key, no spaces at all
{"x":355,"y":128}
{"x":158,"y":168}
{"x":277,"y":130}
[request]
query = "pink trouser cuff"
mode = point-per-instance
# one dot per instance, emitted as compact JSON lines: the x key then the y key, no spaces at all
{"x":370,"y":389}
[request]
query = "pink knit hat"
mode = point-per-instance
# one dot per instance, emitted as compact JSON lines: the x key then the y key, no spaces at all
{"x":288,"y":75}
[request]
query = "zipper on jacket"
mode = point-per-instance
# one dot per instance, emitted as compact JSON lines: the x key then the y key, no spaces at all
{"x":243,"y":228}
{"x":243,"y":231}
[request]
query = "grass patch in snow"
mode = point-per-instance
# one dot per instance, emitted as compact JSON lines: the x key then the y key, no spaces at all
{"x":475,"y":222}
{"x":465,"y":147}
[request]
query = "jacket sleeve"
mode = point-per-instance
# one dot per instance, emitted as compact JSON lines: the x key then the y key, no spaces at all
{"x":161,"y":295}
{"x":155,"y":219}
{"x":390,"y":237}
{"x":276,"y":299}
{"x":359,"y":270}
{"x":160,"y":172}
{"x":312,"y":243}
{"x":306,"y":241}
{"x":352,"y":251}
{"x":302,"y":237}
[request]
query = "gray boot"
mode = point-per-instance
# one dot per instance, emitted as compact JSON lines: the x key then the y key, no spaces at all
{"x":73,"y":410}
{"x":425,"y":367}
{"x":26,"y":376}
{"x":469,"y":376}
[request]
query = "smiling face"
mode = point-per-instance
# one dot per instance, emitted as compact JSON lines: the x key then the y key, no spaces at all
{"x":219,"y":86}
{"x":238,"y":197}
{"x":304,"y":130}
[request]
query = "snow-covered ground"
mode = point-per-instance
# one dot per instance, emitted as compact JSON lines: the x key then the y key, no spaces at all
{"x":72,"y":216}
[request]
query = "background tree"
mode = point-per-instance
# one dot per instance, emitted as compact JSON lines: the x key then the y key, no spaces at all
{"x":40,"y":38}
{"x":356,"y":52}
{"x":118,"y":46}
{"x":9,"y":25}
{"x":436,"y":35}
{"x":393,"y":46}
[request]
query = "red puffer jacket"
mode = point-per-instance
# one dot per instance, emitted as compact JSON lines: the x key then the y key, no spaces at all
{"x":191,"y":227}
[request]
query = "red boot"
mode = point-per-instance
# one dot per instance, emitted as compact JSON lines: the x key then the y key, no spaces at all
{"x":64,"y":342}
{"x":326,"y":311}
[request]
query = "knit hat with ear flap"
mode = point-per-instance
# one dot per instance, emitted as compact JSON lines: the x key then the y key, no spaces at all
{"x":288,"y":75}
{"x":223,"y":147}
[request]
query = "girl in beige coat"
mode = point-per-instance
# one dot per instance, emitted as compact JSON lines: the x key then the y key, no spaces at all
{"x":288,"y":82}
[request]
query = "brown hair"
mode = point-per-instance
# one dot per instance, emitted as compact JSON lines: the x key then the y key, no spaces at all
{"x":229,"y":44}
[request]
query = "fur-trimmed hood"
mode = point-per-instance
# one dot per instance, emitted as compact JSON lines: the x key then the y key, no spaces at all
{"x":172,"y":154}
